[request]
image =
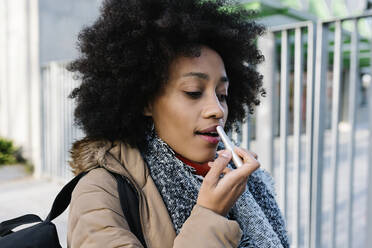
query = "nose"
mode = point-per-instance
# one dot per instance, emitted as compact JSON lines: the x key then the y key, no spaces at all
{"x":213,"y":108}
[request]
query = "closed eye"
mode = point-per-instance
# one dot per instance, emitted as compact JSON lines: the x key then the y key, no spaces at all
{"x":193,"y":94}
{"x":222,"y":97}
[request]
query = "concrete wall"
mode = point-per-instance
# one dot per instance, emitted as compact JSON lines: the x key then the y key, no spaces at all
{"x":19,"y":75}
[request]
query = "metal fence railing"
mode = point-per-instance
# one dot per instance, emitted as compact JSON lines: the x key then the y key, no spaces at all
{"x":288,"y":112}
{"x":313,"y":130}
{"x":57,"y":120}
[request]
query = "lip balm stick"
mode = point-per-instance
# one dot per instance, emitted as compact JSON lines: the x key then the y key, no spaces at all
{"x":230,"y":146}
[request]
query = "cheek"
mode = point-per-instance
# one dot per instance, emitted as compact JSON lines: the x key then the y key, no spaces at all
{"x":174,"y":115}
{"x":183,"y":116}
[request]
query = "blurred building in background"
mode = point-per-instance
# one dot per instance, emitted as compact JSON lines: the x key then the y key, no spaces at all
{"x":19,"y":75}
{"x":34,"y":33}
{"x":312,"y":53}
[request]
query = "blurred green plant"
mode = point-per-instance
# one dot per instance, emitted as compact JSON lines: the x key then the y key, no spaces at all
{"x":7,"y":152}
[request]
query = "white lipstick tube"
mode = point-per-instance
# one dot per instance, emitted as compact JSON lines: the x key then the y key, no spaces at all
{"x":230,"y":146}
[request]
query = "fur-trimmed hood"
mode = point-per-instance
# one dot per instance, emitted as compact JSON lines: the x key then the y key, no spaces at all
{"x":117,"y":156}
{"x":87,"y":154}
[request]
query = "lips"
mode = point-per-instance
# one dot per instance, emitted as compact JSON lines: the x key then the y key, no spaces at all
{"x":212,"y":131}
{"x":209,"y":134}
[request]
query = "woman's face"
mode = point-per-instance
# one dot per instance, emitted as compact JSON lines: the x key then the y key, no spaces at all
{"x":191,"y":105}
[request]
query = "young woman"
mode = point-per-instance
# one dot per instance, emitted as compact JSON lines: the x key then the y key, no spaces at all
{"x":158,"y":77}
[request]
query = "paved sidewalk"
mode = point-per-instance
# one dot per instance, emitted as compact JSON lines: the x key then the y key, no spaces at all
{"x":22,"y":194}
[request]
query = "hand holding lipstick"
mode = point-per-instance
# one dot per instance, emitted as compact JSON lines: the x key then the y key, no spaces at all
{"x":219,"y":195}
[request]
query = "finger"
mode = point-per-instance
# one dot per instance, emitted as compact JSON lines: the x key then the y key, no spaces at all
{"x":240,"y":175}
{"x":254,"y":154}
{"x":246,"y":155}
{"x":226,"y":170}
{"x":218,"y":152}
{"x":217,"y":167}
{"x":250,"y":163}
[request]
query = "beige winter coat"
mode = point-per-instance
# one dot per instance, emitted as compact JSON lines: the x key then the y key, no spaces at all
{"x":96,"y":218}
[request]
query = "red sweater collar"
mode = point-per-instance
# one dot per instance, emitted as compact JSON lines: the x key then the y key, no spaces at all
{"x":201,"y":169}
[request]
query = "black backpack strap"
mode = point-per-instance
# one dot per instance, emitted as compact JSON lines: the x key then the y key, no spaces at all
{"x":7,"y":226}
{"x":130,"y":205}
{"x":63,"y":198}
{"x":128,"y":201}
{"x":60,"y":204}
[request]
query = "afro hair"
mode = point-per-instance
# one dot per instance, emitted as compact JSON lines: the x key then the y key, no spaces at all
{"x":125,"y":57}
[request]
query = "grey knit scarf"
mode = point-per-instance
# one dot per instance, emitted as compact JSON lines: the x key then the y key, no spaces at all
{"x":256,"y":210}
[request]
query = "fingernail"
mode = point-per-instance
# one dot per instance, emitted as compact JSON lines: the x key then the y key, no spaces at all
{"x":226,"y":154}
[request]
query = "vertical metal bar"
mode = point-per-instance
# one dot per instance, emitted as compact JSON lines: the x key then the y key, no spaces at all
{"x":318,"y":143}
{"x":68,"y":120}
{"x":284,"y":89}
{"x":55,"y":121}
{"x":49,"y":130}
{"x":311,"y":37}
{"x":245,"y":133}
{"x":264,"y":116}
{"x":64,"y":84}
{"x":337,"y":68}
{"x":63,"y":79}
{"x":70,"y":123}
{"x":353,"y":86}
{"x":46,"y":121}
{"x":51,"y":124}
{"x":61,"y":100}
{"x":58,"y":120}
{"x":369,"y":201}
{"x":49,"y":121}
{"x":43,"y":126}
{"x":58,"y":86}
{"x":297,"y":135}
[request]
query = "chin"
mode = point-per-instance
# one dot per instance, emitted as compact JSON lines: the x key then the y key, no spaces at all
{"x":209,"y":156}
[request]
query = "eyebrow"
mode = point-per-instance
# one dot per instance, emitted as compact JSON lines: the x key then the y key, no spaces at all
{"x":204,"y":76}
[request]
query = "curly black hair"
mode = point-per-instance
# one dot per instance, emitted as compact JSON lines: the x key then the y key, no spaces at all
{"x":126,"y":53}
